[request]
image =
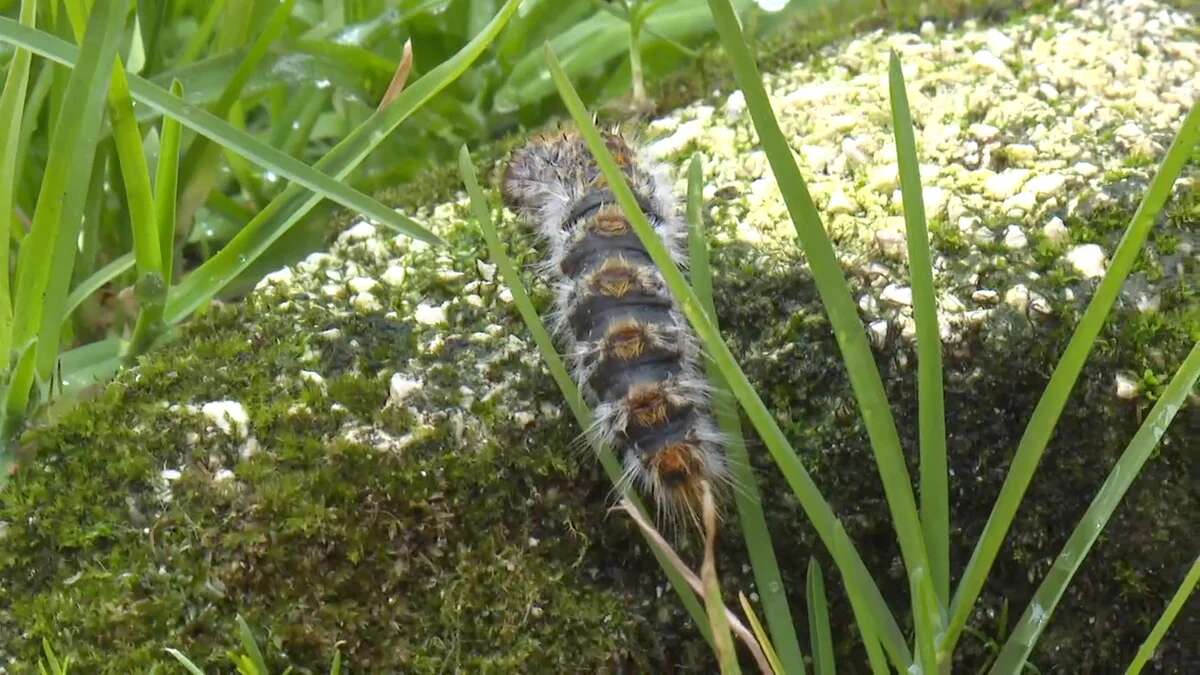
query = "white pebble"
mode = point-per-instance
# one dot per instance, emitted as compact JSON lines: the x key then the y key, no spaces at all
{"x":228,"y":416}
{"x":1088,"y":260}
{"x":400,"y":387}
{"x":1014,"y":238}
{"x":430,"y":315}
{"x":1055,"y":231}
{"x":897,"y":295}
{"x":1127,"y":387}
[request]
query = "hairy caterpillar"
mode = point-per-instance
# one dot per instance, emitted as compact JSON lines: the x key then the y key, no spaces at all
{"x":631,"y":351}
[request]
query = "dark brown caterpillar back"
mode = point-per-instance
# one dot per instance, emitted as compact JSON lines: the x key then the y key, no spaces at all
{"x":631,"y":351}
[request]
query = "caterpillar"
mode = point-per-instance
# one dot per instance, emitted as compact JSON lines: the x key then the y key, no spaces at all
{"x":630,"y":349}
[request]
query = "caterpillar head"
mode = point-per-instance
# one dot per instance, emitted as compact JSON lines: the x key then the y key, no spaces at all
{"x":551,"y":173}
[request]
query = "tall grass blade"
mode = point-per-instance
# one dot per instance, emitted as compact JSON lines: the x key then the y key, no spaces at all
{"x":847,"y":328}
{"x":819,"y":632}
{"x":210,"y":126}
{"x":12,"y":110}
{"x":1146,"y":651}
{"x":865,"y":619}
{"x":166,"y":187}
{"x":47,"y":254}
{"x":1029,"y":628}
{"x":293,"y":203}
{"x":757,"y":536}
{"x":151,"y":288}
{"x":1062,"y":380}
{"x":935,"y":491}
{"x":818,"y":510}
{"x":558,"y":371}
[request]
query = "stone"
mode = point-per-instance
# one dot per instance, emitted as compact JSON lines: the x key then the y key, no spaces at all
{"x":897,"y":295}
{"x":1005,"y":184}
{"x":878,"y":332}
{"x":1046,"y":184}
{"x":1055,"y":231}
{"x":1088,"y":260}
{"x":1126,"y":386}
{"x":1014,"y":238}
{"x":985,"y":296}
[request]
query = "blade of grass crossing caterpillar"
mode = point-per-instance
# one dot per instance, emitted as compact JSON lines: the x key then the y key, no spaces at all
{"x":848,"y":329}
{"x":558,"y":370}
{"x":12,"y":109}
{"x":757,"y":536}
{"x":1045,"y":415}
{"x":806,"y":491}
{"x":1146,"y":650}
{"x":1029,"y":628}
{"x":293,"y":203}
{"x":935,"y":491}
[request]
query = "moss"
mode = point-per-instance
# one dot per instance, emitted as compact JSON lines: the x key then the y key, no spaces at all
{"x":480,"y":544}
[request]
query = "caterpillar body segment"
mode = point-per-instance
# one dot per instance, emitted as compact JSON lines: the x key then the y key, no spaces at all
{"x":631,"y":350}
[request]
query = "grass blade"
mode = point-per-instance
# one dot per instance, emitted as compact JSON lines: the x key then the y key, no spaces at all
{"x":151,"y":289}
{"x":185,"y":661}
{"x":210,"y":126}
{"x":200,"y":38}
{"x":847,"y":328}
{"x":253,"y":653}
{"x":1062,"y":380}
{"x":935,"y":491}
{"x":1050,"y":591}
{"x":558,"y":370}
{"x":12,"y":110}
{"x":293,"y":203}
{"x":818,"y":510}
{"x":166,"y":187}
{"x":820,"y":634}
{"x":1146,"y":651}
{"x":47,"y":253}
{"x":757,"y":536}
{"x":865,"y":618}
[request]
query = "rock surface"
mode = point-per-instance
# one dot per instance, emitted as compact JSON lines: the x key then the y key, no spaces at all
{"x":370,"y":453}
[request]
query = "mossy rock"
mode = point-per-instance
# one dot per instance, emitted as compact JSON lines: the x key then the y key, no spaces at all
{"x":452,"y":526}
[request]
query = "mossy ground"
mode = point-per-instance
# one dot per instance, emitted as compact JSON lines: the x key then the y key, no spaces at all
{"x":483,"y":545}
